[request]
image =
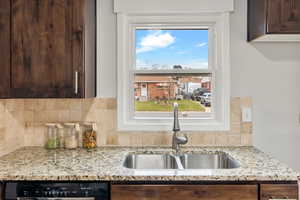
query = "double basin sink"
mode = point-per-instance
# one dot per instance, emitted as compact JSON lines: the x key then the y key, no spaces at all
{"x":184,"y":161}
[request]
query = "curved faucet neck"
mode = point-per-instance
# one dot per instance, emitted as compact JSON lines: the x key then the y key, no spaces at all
{"x":176,"y":126}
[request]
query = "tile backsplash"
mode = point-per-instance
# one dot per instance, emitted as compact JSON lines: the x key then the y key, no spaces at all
{"x":21,"y":124}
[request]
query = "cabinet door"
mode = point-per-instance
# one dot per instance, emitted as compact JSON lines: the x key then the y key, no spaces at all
{"x":5,"y":48}
{"x":279,"y":191}
{"x":283,"y":16}
{"x":180,"y":192}
{"x":2,"y":191}
{"x":43,"y":41}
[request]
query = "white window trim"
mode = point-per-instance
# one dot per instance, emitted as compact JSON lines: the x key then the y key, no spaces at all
{"x":219,"y":22}
{"x":169,"y":6}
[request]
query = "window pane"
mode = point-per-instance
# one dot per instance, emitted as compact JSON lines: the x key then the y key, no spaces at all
{"x":157,"y":93}
{"x":171,"y":49}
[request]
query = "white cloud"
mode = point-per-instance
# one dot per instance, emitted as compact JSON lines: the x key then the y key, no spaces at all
{"x":201,"y":44}
{"x":155,"y":40}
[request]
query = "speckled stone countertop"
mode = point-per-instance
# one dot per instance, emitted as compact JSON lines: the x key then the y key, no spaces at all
{"x":106,"y":163}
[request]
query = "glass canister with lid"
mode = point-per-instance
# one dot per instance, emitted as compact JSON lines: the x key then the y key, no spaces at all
{"x":71,"y":135}
{"x":61,"y":135}
{"x":90,"y":135}
{"x":52,"y":140}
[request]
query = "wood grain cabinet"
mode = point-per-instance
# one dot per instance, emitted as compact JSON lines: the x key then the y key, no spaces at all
{"x":48,"y":48}
{"x":2,"y":191}
{"x":273,"y":18}
{"x":279,"y":191}
{"x":180,"y":192}
{"x":283,"y":16}
{"x":5,"y":49}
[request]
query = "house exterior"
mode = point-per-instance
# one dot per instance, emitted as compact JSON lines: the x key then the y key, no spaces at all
{"x":206,"y":83}
{"x":153,"y":87}
{"x":148,"y":88}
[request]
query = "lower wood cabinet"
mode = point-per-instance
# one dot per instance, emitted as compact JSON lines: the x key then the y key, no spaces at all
{"x":182,"y":192}
{"x":1,"y":191}
{"x":278,"y":191}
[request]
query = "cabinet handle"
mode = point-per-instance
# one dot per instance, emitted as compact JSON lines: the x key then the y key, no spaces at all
{"x":76,"y":82}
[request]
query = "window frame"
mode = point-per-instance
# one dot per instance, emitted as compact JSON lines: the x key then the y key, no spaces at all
{"x":219,"y":58}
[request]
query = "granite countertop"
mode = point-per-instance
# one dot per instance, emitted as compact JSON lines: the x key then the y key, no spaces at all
{"x":106,"y":163}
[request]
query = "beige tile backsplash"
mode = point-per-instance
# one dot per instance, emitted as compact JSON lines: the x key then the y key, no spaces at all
{"x":21,"y":124}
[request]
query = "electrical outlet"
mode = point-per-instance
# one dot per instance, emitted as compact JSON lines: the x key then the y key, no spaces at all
{"x":246,"y":114}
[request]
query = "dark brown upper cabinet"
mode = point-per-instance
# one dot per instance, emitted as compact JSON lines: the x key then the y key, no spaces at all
{"x":5,"y":49}
{"x":49,"y":48}
{"x":274,"y":20}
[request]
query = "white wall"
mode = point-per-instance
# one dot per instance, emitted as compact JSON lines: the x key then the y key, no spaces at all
{"x":268,"y":72}
{"x":107,"y":54}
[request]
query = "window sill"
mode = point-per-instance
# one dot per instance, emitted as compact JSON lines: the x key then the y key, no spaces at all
{"x":167,"y":125}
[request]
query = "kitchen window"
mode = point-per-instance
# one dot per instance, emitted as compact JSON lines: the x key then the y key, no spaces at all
{"x":168,"y":58}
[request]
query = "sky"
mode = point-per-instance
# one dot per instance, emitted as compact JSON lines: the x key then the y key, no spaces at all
{"x":162,"y":49}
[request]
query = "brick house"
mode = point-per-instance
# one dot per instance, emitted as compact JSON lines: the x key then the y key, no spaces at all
{"x":153,"y":87}
{"x":207,"y":85}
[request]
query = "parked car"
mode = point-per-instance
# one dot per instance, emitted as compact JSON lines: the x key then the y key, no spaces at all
{"x":196,"y":96}
{"x":206,"y":99}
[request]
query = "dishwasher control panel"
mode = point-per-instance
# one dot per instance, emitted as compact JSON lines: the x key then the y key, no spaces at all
{"x":56,"y":190}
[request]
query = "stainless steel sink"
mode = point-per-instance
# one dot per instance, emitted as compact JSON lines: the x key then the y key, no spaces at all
{"x":182,"y":161}
{"x":150,"y":161}
{"x":208,"y":161}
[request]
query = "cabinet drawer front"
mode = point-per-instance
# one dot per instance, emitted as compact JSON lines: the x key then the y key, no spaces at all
{"x":181,"y":192}
{"x":279,"y":191}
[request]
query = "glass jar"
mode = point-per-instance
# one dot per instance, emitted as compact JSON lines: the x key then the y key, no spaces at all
{"x":90,"y":135}
{"x":71,"y":139}
{"x":80,"y":135}
{"x":61,"y":135}
{"x":52,"y":141}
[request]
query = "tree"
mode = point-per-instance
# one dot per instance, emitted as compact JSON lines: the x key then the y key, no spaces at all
{"x":177,"y":67}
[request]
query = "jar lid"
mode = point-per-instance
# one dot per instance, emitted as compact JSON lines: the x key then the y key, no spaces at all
{"x":59,"y":126}
{"x":50,"y":124}
{"x":70,"y":124}
{"x":73,"y":125}
{"x":94,"y":127}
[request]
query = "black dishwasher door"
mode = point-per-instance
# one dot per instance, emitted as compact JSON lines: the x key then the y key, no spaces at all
{"x":56,"y":191}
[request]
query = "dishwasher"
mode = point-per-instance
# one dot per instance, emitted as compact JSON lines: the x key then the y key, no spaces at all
{"x":56,"y":191}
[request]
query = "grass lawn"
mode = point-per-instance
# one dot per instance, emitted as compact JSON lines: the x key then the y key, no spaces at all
{"x":184,"y":105}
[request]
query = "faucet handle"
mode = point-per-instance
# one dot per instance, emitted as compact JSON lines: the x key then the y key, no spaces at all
{"x":182,"y":139}
{"x":185,"y":135}
{"x":186,"y":138}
